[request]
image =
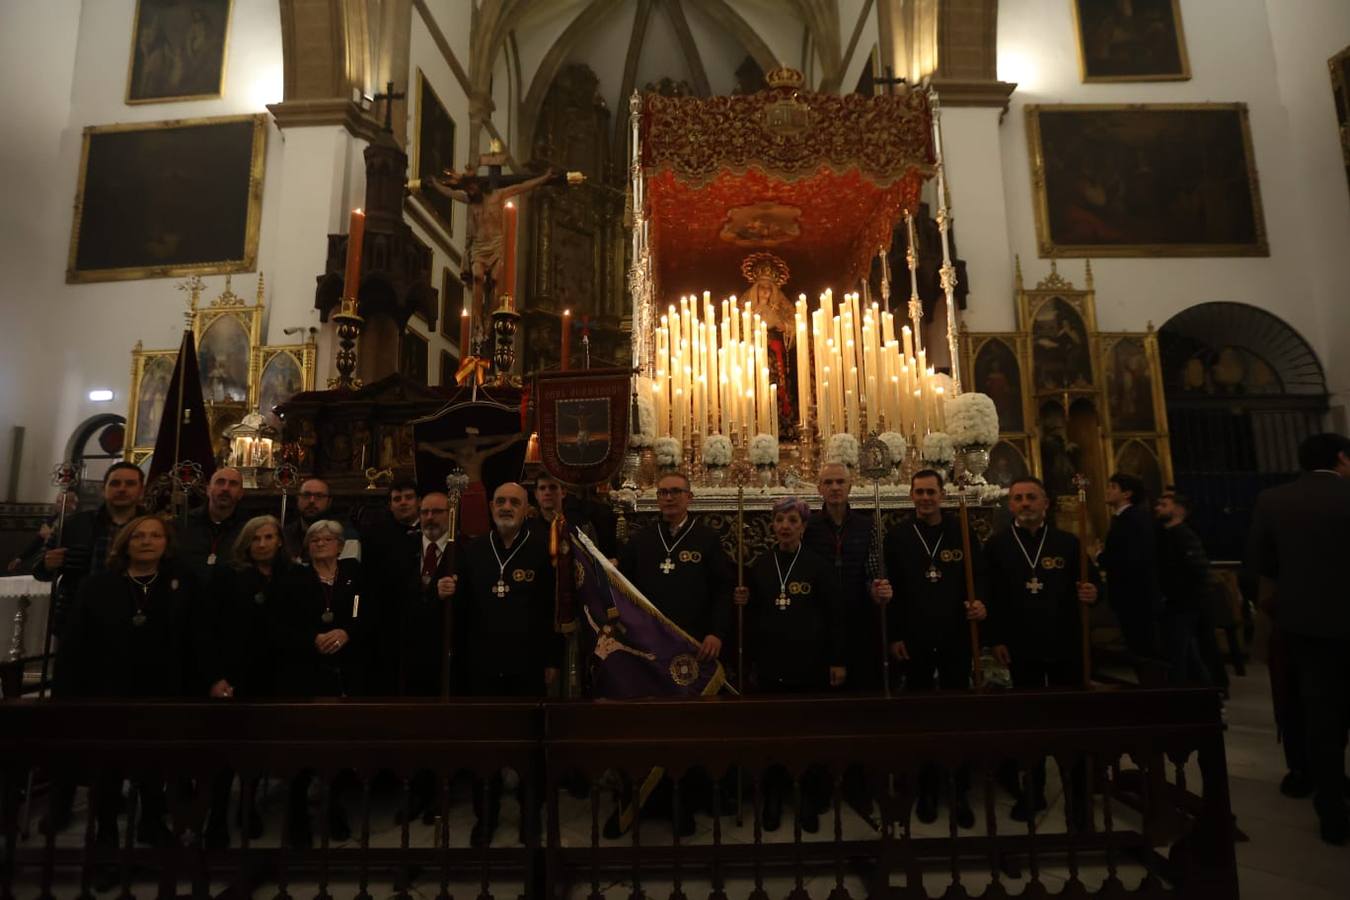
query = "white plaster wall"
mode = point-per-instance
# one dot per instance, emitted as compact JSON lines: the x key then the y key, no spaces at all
{"x":1232,"y":58}
{"x":424,"y":55}
{"x":1305,"y":34}
{"x":66,"y":64}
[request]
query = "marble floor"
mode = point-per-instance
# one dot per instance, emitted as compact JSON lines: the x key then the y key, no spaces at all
{"x":1282,"y":860}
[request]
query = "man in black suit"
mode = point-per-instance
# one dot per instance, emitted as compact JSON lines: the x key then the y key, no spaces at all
{"x":1297,"y":547}
{"x":1130,"y":560}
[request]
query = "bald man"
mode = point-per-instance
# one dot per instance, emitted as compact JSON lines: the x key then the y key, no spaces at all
{"x":505,"y":645}
{"x":206,"y":534}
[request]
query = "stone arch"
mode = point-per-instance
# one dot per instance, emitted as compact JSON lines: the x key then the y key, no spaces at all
{"x":1243,"y":389}
{"x":95,"y":444}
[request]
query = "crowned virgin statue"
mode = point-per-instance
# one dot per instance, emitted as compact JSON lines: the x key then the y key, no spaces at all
{"x":767,"y":274}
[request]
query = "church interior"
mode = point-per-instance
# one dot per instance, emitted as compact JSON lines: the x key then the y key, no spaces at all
{"x":466,"y":242}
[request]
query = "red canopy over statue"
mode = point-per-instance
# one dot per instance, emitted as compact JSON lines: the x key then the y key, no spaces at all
{"x":818,"y":179}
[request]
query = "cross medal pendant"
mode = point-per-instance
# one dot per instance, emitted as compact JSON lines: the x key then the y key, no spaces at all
{"x":782,"y":602}
{"x":668,"y":566}
{"x":500,"y":588}
{"x":327,"y":617}
{"x":1034,"y":585}
{"x":934,"y":574}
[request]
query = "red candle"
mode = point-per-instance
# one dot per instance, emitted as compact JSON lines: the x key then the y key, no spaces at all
{"x":356,"y":233}
{"x":464,"y":323}
{"x":509,"y":251}
{"x":566,"y":339}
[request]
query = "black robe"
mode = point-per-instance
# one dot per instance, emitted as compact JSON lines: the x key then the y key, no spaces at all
{"x":417,"y":616}
{"x":302,"y":671}
{"x":848,"y":549}
{"x":792,"y":647}
{"x":504,"y":641}
{"x":105,"y":653}
{"x":233,"y":629}
{"x":696,"y":593}
{"x":926,"y":613}
{"x":1042,"y":623}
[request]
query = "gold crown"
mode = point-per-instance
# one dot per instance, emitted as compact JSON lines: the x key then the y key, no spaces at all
{"x":784,"y":77}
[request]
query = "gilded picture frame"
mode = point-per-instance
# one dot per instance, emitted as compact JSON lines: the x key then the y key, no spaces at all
{"x":1140,"y":41}
{"x":1198,"y":194}
{"x":452,"y":301}
{"x":433,"y":152}
{"x":279,"y":372}
{"x":179,"y":50}
{"x":413,"y":356}
{"x":228,"y":333}
{"x":165,"y":199}
{"x":151,"y":373}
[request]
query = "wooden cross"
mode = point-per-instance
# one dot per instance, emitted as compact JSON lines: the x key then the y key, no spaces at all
{"x":668,"y":566}
{"x":500,"y":589}
{"x":390,"y":96}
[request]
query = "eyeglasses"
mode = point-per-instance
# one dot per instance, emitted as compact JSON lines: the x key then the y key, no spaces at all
{"x":670,"y":492}
{"x":436,"y":512}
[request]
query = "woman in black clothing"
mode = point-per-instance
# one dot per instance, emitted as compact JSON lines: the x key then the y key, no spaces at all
{"x":234,"y":644}
{"x":797,"y":641}
{"x":128,"y":637}
{"x":319,"y":631}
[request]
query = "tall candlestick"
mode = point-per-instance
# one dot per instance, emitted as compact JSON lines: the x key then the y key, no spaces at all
{"x":509,"y":250}
{"x":464,"y":324}
{"x":566,"y":361}
{"x":356,"y":235}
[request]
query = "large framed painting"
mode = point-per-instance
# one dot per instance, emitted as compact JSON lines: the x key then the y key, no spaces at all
{"x":163,"y":199}
{"x":412,"y":356}
{"x":227,"y":333}
{"x":178,"y":50}
{"x":151,"y":373}
{"x":1145,"y":180}
{"x":1131,"y":40}
{"x":1340,"y":89}
{"x":995,"y":361}
{"x":433,"y":151}
{"x":1061,"y":354}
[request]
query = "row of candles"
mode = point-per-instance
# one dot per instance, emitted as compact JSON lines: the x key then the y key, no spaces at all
{"x":714,"y":372}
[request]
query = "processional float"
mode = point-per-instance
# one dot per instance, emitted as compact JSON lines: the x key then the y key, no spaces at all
{"x":737,"y":197}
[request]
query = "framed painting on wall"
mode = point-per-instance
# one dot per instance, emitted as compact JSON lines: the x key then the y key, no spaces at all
{"x":1340,"y":89}
{"x":452,"y":303}
{"x":1145,"y":180}
{"x":433,"y":151}
{"x":413,"y":351}
{"x":162,"y":199}
{"x":1135,"y":40}
{"x":178,"y":50}
{"x":151,"y":373}
{"x":281,"y":372}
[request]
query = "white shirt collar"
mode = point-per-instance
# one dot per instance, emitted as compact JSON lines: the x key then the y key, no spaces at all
{"x":440,"y":543}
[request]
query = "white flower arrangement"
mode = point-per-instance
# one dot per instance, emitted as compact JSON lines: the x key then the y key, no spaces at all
{"x":764,"y":450}
{"x":644,"y":432}
{"x":624,"y":496}
{"x":842,"y":448}
{"x":895,"y":445}
{"x":938,"y":449}
{"x":972,"y":420}
{"x":667,"y":451}
{"x":717,"y":451}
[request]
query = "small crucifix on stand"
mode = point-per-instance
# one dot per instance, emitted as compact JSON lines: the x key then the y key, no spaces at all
{"x":389,"y":96}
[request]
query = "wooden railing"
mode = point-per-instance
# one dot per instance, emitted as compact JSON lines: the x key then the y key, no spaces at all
{"x":1141,"y":755}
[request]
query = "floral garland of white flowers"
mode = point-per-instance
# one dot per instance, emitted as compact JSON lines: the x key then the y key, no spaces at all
{"x":763,"y":450}
{"x":717,"y":451}
{"x":895,"y":445}
{"x":667,"y":451}
{"x":938,"y":448}
{"x":624,"y":496}
{"x":972,"y":420}
{"x":842,"y":448}
{"x":643,"y":435}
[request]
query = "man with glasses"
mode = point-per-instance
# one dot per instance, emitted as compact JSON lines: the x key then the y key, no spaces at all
{"x":315,"y":501}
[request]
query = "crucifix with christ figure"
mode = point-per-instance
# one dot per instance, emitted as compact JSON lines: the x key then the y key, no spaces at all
{"x":492,"y":224}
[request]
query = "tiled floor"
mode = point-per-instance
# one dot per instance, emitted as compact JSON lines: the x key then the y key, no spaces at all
{"x":1283,"y":860}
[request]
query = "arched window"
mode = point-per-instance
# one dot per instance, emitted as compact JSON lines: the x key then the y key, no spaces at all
{"x":1243,"y":390}
{"x":95,"y":444}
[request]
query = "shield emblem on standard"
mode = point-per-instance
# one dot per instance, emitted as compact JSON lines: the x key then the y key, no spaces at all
{"x":583,"y":423}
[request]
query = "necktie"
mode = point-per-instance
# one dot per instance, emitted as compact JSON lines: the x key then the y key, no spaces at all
{"x":429,"y":560}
